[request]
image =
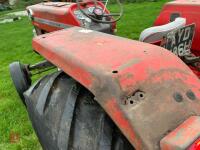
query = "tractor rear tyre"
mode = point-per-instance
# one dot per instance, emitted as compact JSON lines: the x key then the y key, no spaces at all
{"x":65,"y":116}
{"x":20,"y":78}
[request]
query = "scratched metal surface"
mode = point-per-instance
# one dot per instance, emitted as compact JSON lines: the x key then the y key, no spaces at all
{"x":142,"y":87}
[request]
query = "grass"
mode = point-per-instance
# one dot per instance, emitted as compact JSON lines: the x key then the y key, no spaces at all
{"x":15,"y":44}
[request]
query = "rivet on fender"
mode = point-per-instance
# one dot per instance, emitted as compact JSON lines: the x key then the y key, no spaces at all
{"x":178,"y":97}
{"x":191,"y":95}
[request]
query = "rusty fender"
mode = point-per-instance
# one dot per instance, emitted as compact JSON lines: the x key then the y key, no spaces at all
{"x":146,"y":90}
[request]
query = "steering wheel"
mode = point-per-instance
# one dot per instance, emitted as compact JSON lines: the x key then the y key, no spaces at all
{"x":99,"y":15}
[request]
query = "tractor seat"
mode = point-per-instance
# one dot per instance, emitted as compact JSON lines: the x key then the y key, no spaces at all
{"x":155,"y":34}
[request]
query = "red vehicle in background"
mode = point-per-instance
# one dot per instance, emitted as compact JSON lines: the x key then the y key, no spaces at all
{"x":190,"y":11}
{"x":113,"y":93}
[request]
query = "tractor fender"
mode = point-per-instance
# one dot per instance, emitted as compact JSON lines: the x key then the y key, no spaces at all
{"x":145,"y":89}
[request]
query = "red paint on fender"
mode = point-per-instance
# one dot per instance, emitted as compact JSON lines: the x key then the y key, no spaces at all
{"x":118,"y":116}
{"x":114,"y":69}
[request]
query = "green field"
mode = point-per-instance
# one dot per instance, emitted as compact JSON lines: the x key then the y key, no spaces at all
{"x":15,"y":44}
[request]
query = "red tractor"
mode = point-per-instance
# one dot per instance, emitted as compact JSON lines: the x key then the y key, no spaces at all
{"x":113,"y":93}
{"x":53,"y":16}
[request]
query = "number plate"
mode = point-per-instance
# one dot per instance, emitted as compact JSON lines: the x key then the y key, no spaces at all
{"x":179,"y":41}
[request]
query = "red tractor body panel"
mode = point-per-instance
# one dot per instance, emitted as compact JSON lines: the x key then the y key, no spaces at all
{"x":145,"y":89}
{"x":179,"y":138}
{"x":58,"y":12}
{"x":186,"y":9}
{"x":52,"y":16}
